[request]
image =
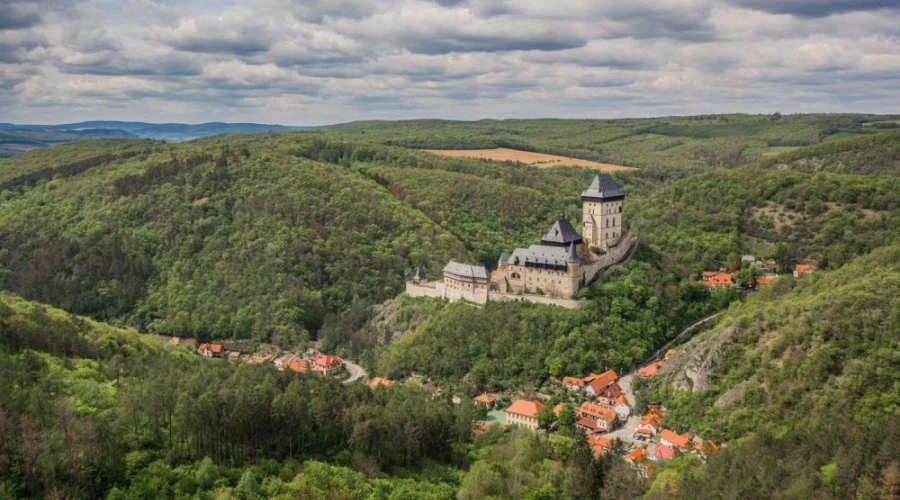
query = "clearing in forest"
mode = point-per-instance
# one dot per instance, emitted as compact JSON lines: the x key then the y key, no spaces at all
{"x":535,"y":159}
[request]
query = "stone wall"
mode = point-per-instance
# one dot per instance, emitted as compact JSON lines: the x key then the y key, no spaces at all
{"x":612,"y":256}
{"x":537,"y":299}
{"x":423,"y":289}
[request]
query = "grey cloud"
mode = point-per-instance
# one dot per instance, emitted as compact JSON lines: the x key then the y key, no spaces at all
{"x":816,"y":8}
{"x":18,"y":16}
{"x":463,"y":42}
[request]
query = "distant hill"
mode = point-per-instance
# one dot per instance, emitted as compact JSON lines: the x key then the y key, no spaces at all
{"x":872,"y":154}
{"x":16,"y":138}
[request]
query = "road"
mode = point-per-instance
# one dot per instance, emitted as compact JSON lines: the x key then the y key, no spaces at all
{"x":356,"y":372}
{"x":627,"y":430}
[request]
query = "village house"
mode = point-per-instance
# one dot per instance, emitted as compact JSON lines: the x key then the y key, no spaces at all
{"x":524,"y":412}
{"x":637,"y":455}
{"x":605,"y":418}
{"x":706,"y":449}
{"x":716,"y":279}
{"x":680,"y":441}
{"x":608,"y":396}
{"x":211,"y":350}
{"x":664,"y":452}
{"x":804,"y":270}
{"x":573,"y":383}
{"x":650,"y":422}
{"x":599,"y":445}
{"x":380,"y":381}
{"x":622,"y":408}
{"x":588,"y":425}
{"x":295,"y":364}
{"x":486,"y":399}
{"x":595,"y":383}
{"x":765,"y":279}
{"x":327,"y":364}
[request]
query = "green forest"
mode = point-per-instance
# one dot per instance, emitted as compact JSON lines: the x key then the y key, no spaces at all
{"x":290,"y":237}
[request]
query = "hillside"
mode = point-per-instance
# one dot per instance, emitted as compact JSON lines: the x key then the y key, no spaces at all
{"x":873,"y":154}
{"x":88,"y":410}
{"x":803,"y":381}
{"x":683,"y":143}
{"x":226,"y":237}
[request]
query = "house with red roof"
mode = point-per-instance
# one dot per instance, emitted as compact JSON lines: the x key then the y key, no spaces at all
{"x":680,"y":441}
{"x":573,"y":383}
{"x":664,"y":452}
{"x":524,"y":412}
{"x":599,"y":445}
{"x":597,"y":382}
{"x":637,"y":455}
{"x":211,"y":350}
{"x":716,"y":279}
{"x":486,"y":399}
{"x":605,"y":417}
{"x":607,"y":397}
{"x":327,"y":364}
{"x":588,"y":425}
{"x":804,"y":270}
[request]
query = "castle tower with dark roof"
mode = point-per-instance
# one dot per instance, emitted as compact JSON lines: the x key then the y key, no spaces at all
{"x":602,"y":212}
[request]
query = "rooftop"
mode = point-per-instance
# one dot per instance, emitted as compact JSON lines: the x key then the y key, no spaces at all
{"x":540,"y":256}
{"x":603,"y":188}
{"x":561,"y":234}
{"x":525,"y":408}
{"x":466,"y":270}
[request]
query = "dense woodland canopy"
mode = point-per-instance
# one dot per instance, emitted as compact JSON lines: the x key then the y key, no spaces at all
{"x":285,"y":236}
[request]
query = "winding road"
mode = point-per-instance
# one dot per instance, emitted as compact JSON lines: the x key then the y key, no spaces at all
{"x":627,"y":430}
{"x":356,"y":372}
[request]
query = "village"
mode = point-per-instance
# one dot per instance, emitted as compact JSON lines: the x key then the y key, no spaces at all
{"x":601,"y":406}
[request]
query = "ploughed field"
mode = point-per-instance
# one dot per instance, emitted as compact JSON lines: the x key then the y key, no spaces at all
{"x":535,"y":159}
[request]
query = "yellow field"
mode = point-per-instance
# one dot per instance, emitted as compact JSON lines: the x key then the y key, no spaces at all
{"x":536,"y":159}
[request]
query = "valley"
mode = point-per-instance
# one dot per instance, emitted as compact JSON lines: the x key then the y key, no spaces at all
{"x":302,"y":239}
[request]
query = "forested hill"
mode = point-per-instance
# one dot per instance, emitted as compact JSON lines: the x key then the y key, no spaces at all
{"x":872,"y":154}
{"x":803,"y":381}
{"x":225,"y":237}
{"x":689,"y":142}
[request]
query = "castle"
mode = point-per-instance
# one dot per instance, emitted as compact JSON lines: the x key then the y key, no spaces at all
{"x":549,"y":272}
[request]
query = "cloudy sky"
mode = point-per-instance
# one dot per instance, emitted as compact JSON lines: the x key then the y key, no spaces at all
{"x":310,"y":62}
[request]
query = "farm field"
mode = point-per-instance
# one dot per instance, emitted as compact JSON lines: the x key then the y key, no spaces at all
{"x":536,"y":159}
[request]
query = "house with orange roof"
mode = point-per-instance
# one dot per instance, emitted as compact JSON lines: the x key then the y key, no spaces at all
{"x":327,"y":364}
{"x":380,"y":381}
{"x":588,"y":425}
{"x":716,"y":279}
{"x":706,"y":448}
{"x":622,"y":408}
{"x":607,"y":397}
{"x":211,"y":350}
{"x":680,"y":441}
{"x":637,"y":455}
{"x":804,"y":270}
{"x":765,"y":279}
{"x":605,"y":417}
{"x":573,"y":383}
{"x":599,"y":445}
{"x":524,"y":412}
{"x":598,"y":382}
{"x":486,"y":399}
{"x":650,"y":370}
{"x":297,"y":364}
{"x":557,"y":409}
{"x":649,"y":425}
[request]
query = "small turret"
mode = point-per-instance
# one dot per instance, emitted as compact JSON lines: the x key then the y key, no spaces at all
{"x":420,"y":274}
{"x":501,"y":263}
{"x":573,"y":254}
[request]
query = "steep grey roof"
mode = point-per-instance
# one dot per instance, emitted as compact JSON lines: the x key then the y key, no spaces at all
{"x":420,"y":274}
{"x":466,"y":270}
{"x":539,"y":255}
{"x":561,"y":233}
{"x":503,"y":258}
{"x":604,"y":188}
{"x":573,"y":254}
